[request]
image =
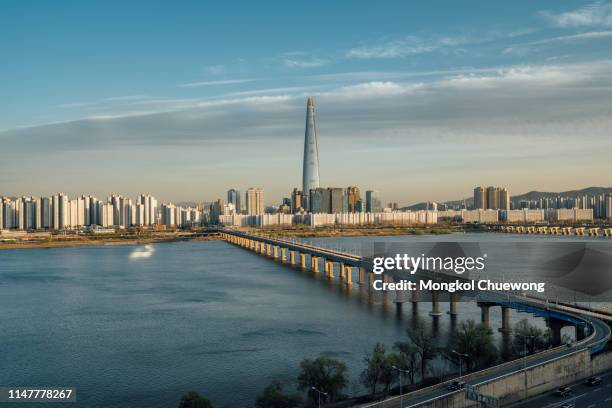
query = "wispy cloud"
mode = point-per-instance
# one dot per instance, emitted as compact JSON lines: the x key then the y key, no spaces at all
{"x":414,"y":45}
{"x":598,"y":14}
{"x":522,"y":49}
{"x":301,"y":60}
{"x":216,"y":83}
{"x":392,"y":49}
{"x":215,"y":69}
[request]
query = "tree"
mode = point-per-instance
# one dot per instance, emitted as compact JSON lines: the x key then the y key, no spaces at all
{"x":379,"y":369}
{"x":273,"y":397}
{"x":326,"y":374}
{"x":530,"y":337}
{"x":194,"y":400}
{"x":475,"y":341}
{"x":408,"y":356}
{"x":425,"y":347}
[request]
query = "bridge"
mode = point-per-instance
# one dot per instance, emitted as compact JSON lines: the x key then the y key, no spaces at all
{"x":592,"y":330}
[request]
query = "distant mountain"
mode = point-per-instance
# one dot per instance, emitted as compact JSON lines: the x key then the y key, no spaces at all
{"x":589,"y":191}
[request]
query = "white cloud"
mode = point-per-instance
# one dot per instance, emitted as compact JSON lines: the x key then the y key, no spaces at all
{"x":598,"y":14}
{"x":215,"y":69}
{"x":526,"y":48}
{"x":394,"y":49}
{"x":215,"y":83}
{"x":301,"y":60}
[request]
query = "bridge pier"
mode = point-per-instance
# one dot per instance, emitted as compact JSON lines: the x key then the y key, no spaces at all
{"x":283,"y":252}
{"x":302,"y":260}
{"x":314,"y":264}
{"x":435,"y":305}
{"x":506,"y":328}
{"x":555,"y":327}
{"x":580,"y":331}
{"x":292,"y":257}
{"x":484,"y":312}
{"x":348,"y":275}
{"x":329,"y":268}
{"x":371,"y":279}
{"x":362,"y":276}
{"x":275,"y":251}
{"x":453,"y":304}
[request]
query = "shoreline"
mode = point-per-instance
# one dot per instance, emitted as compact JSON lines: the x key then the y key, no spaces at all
{"x":95,"y":242}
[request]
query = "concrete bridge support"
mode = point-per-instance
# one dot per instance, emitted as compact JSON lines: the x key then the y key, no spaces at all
{"x":302,"y":260}
{"x":349,"y":280}
{"x":371,"y":279}
{"x":275,"y":251}
{"x":506,"y":327}
{"x":283,"y":252}
{"x":555,"y":327}
{"x":484,"y":312}
{"x":362,"y":276}
{"x":453,"y":305}
{"x":314,"y":264}
{"x":292,"y":257}
{"x":435,"y":305}
{"x":580,"y":331}
{"x":329,"y":269}
{"x":415,"y":298}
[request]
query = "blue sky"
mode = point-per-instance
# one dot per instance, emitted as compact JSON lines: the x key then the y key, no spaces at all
{"x":420,"y":101}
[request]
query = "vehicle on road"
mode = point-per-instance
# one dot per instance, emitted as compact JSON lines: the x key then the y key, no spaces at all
{"x":455,"y":386}
{"x":564,"y":391}
{"x":568,"y":405}
{"x":593,"y":381}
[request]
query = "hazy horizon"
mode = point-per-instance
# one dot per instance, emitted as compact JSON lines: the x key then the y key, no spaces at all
{"x":187,"y":102}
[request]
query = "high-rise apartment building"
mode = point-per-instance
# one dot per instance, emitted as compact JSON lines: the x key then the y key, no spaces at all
{"x":297,"y":200}
{"x":353,"y":196}
{"x":255,"y":201}
{"x":480,"y":199}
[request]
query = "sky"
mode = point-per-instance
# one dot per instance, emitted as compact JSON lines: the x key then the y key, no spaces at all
{"x":418,"y":100}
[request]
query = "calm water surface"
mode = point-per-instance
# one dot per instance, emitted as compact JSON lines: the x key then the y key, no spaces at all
{"x":136,"y":327}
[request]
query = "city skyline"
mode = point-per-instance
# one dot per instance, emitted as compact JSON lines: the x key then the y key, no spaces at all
{"x":418,"y":107}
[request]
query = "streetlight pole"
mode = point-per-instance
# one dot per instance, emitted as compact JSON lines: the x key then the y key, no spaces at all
{"x":319,"y":392}
{"x":400,"y":375}
{"x":460,"y":355}
{"x":525,"y":358}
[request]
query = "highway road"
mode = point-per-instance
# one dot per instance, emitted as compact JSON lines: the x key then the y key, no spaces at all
{"x":601,"y":332}
{"x":584,"y":396}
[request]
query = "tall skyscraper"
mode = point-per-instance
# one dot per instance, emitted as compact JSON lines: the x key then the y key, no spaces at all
{"x":354,"y":195}
{"x":480,"y":199}
{"x":504,"y":199}
{"x":493,"y":198}
{"x":297,"y":200}
{"x":255,"y":201}
{"x":233,"y":197}
{"x":310,"y":175}
{"x":373,"y":203}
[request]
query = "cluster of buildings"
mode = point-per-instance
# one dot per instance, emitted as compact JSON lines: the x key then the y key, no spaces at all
{"x":601,"y":204}
{"x":311,"y":205}
{"x":491,"y":198}
{"x":60,"y":212}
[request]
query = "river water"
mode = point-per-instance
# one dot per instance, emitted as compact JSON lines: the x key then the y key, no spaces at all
{"x":133,"y":326}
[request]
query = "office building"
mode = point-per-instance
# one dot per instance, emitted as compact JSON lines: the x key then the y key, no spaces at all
{"x":233,"y":197}
{"x":373,"y":202}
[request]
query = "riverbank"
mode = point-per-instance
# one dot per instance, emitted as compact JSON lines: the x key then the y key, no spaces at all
{"x":78,"y":241}
{"x":336,"y":232}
